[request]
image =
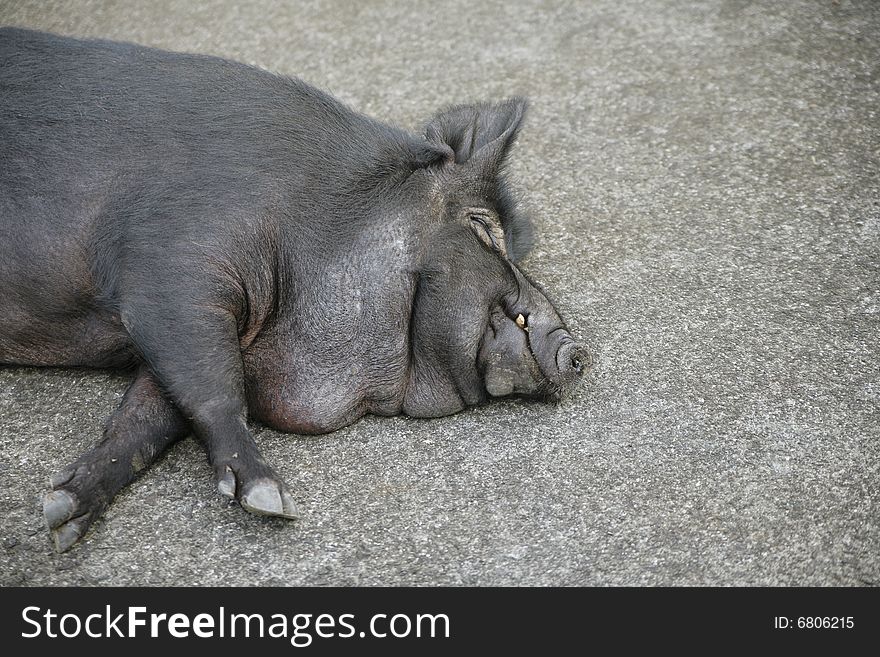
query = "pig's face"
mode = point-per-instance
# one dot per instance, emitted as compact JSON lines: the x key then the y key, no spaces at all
{"x":440,"y":320}
{"x":480,"y":327}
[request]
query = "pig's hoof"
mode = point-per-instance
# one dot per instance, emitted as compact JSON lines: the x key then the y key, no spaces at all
{"x":64,"y":518}
{"x":269,"y":498}
{"x":70,"y":532}
{"x":58,"y":507}
{"x":264,"y":496}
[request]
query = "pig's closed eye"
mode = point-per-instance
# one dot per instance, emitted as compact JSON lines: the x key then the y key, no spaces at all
{"x":481,"y":224}
{"x":489,"y":232}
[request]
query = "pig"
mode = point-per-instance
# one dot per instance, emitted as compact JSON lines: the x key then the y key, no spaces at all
{"x":250,"y":248}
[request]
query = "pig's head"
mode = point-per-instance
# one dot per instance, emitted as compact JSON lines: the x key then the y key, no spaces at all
{"x":480,"y":328}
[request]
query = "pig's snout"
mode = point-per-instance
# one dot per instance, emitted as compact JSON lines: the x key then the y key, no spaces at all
{"x":561,"y":359}
{"x":521,"y":356}
{"x":572,"y":359}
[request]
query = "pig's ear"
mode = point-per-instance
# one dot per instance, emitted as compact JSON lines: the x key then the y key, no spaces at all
{"x":480,"y":133}
{"x":411,"y":153}
{"x":425,"y":153}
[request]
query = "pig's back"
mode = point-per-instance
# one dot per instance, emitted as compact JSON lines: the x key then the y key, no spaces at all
{"x":98,"y":139}
{"x":107,"y":147}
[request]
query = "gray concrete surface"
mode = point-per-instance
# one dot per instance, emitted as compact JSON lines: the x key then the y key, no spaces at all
{"x":705,"y":178}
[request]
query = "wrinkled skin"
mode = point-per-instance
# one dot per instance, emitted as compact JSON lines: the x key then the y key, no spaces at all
{"x":253,"y":248}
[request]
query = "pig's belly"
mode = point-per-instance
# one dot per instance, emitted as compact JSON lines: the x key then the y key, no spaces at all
{"x":306,"y":400}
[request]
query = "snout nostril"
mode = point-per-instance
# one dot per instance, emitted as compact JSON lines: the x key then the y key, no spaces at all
{"x":572,"y":359}
{"x":580,"y":360}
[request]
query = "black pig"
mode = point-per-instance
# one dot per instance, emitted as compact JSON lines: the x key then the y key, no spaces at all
{"x":252,"y":247}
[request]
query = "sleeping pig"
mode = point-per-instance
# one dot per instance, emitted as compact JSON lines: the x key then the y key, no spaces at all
{"x":249,"y":247}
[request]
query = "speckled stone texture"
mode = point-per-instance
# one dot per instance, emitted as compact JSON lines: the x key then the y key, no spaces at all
{"x":705,"y":180}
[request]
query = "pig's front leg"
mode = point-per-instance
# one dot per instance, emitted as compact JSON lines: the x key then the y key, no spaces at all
{"x":193,"y":350}
{"x":134,"y":436}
